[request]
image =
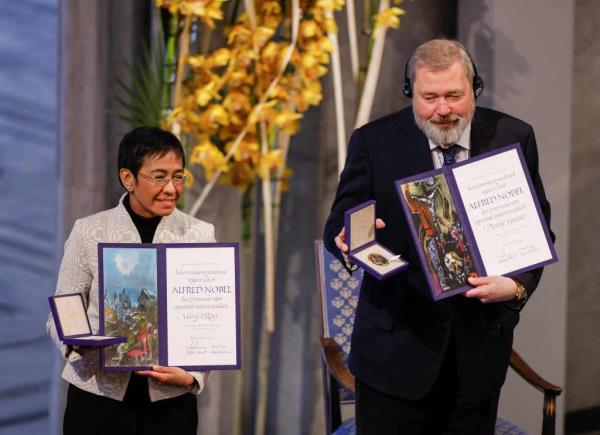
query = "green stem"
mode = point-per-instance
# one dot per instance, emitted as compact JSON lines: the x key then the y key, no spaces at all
{"x":170,"y":63}
{"x":247,"y":213}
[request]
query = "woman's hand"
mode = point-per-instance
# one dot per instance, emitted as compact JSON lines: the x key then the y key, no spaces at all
{"x":169,"y":375}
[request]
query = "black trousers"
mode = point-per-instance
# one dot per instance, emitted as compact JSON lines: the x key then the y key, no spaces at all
{"x":90,"y":414}
{"x":444,"y":410}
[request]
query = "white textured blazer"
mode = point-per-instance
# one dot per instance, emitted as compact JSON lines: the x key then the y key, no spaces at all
{"x":79,"y":273}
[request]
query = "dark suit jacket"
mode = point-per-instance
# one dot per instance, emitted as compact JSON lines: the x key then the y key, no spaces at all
{"x":400,"y":335}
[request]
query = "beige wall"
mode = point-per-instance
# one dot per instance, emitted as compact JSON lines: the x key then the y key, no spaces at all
{"x":524,"y":53}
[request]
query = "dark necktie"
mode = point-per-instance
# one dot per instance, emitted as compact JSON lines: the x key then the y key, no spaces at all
{"x":449,"y":154}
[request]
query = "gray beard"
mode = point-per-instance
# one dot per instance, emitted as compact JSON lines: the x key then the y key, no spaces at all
{"x":446,"y":136}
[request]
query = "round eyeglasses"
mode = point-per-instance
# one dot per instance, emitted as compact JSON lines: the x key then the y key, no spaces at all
{"x":162,"y":181}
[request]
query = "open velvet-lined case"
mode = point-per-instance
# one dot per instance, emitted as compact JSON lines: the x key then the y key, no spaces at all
{"x":365,"y":251}
{"x":72,"y":323}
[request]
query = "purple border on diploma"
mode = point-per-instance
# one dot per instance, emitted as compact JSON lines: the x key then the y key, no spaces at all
{"x":236,"y":247}
{"x":435,"y":293}
{"x":81,"y":341}
{"x":101,"y":299}
{"x":161,"y":303}
{"x":533,"y":193}
{"x":347,"y":224}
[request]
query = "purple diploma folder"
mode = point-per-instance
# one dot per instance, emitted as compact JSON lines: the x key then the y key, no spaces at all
{"x":177,"y":304}
{"x":479,"y":217}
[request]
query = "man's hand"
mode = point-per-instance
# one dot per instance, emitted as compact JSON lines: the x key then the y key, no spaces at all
{"x":492,"y":289}
{"x":169,"y":375}
{"x":340,"y":239}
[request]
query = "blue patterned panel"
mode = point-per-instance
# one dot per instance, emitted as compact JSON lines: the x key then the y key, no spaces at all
{"x":348,"y":427}
{"x":339,"y":298}
{"x":504,"y":427}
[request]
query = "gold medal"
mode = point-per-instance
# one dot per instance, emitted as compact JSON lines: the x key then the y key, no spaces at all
{"x":378,"y":259}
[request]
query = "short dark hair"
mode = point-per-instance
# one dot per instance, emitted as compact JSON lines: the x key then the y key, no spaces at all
{"x":144,"y":142}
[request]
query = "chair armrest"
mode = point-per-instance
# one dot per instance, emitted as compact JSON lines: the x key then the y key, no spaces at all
{"x":335,"y":363}
{"x":531,"y":376}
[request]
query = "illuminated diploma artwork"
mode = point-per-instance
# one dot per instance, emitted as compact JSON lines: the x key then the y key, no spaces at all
{"x":479,"y":217}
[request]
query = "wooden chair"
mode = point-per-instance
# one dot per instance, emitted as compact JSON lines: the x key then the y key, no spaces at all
{"x":339,"y":292}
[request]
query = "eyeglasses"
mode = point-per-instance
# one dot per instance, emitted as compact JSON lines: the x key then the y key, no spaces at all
{"x":162,"y":181}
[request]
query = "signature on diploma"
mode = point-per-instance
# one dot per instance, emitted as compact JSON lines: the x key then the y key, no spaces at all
{"x":219,"y":349}
{"x":195,"y":348}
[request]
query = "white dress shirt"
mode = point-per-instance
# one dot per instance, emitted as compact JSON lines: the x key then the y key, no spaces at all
{"x":463,"y":153}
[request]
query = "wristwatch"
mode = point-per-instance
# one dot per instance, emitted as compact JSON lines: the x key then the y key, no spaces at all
{"x":521,"y":293}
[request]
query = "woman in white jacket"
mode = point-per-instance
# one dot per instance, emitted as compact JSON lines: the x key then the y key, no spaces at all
{"x":151,"y":168}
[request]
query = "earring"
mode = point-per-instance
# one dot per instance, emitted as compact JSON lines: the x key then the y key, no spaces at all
{"x":130,"y":188}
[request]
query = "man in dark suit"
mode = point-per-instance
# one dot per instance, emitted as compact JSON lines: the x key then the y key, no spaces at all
{"x":425,"y":367}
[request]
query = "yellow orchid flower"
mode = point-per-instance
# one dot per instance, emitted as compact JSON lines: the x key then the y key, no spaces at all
{"x":287,"y":174}
{"x":198,"y":61}
{"x":262,"y":112}
{"x":268,"y":162}
{"x":280,"y":93}
{"x":308,"y":28}
{"x":261,"y":35}
{"x":240,"y":175}
{"x":187,"y":119}
{"x":247,"y":151}
{"x":209,"y":157}
{"x":237,"y":79}
{"x":213,"y":117}
{"x":189,"y":177}
{"x":310,"y":95}
{"x":171,"y":5}
{"x":287,"y":120}
{"x":237,"y":102}
{"x":207,"y":93}
{"x":240,"y":34}
{"x":271,"y":8}
{"x":311,"y":74}
{"x":330,"y":5}
{"x":270,"y":21}
{"x":206,"y":10}
{"x":220,"y":57}
{"x":307,"y":60}
{"x":243,"y":57}
{"x":388,"y":18}
{"x":325,"y":44}
{"x":271,"y":51}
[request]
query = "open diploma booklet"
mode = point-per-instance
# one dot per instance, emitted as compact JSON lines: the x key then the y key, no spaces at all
{"x":479,"y":217}
{"x":177,"y":304}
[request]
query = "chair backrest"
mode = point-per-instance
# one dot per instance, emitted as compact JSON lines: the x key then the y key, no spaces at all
{"x":338,"y":293}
